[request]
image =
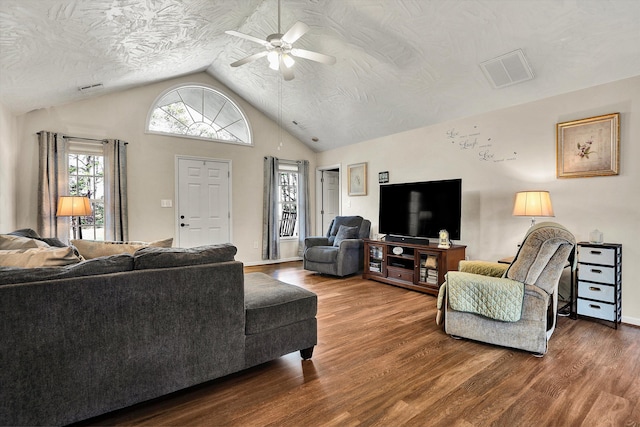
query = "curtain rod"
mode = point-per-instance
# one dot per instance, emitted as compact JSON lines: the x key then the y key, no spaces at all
{"x":86,"y":139}
{"x":83,"y":139}
{"x":284,"y":160}
{"x":89,"y":139}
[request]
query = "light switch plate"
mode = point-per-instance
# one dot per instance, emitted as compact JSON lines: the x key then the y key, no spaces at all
{"x":166,"y":203}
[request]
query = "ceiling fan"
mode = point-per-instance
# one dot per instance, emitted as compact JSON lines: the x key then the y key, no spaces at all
{"x":279,"y":49}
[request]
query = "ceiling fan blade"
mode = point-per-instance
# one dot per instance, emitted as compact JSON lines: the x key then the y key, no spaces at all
{"x":287,"y":72}
{"x":295,"y":32}
{"x":248,"y":37}
{"x":249,"y":58}
{"x":314,"y":56}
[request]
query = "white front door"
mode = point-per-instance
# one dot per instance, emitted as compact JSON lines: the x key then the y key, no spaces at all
{"x":204,"y":215}
{"x":330,"y":198}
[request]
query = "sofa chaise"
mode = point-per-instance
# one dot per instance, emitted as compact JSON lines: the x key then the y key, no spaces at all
{"x":103,"y":334}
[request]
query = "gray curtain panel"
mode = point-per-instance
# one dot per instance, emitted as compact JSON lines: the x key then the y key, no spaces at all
{"x":115,"y":197}
{"x":270,"y":231}
{"x":53,"y":181}
{"x":304,"y":216}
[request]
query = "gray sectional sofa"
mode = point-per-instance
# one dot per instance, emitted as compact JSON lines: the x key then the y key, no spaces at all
{"x":85,"y":339}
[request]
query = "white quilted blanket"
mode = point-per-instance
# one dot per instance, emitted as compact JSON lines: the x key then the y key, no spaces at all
{"x":496,"y":298}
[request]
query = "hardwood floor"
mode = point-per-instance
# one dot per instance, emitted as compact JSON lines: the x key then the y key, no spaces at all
{"x":381,"y":360}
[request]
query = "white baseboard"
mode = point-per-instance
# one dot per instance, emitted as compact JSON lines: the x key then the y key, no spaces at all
{"x":630,"y":320}
{"x":272,"y":261}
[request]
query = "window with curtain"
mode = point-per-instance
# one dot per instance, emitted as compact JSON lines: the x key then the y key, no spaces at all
{"x":288,"y":199}
{"x":285,"y":211}
{"x":97,"y":169}
{"x":195,"y":111}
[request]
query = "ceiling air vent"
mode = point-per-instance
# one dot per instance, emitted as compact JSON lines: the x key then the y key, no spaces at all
{"x":508,"y":69}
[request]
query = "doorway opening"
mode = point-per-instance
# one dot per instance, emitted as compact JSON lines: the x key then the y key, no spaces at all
{"x":328,"y":197}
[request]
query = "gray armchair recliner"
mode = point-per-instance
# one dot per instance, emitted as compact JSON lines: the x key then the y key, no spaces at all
{"x":473,"y":299}
{"x":341,"y":251}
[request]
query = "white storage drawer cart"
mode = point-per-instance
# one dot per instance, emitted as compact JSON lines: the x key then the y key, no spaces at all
{"x":600,"y":281}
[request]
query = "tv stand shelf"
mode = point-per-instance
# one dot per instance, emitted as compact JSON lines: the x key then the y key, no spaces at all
{"x":417,"y":267}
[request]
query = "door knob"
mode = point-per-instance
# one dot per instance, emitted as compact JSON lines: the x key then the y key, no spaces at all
{"x":182,"y":224}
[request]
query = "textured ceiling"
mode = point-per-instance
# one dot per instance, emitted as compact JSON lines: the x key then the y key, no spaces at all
{"x":401,"y":64}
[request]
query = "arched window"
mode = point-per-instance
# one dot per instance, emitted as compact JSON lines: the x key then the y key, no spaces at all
{"x":195,"y":111}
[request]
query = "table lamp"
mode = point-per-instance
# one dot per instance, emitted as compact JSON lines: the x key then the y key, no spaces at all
{"x":533,"y":204}
{"x":75,"y":207}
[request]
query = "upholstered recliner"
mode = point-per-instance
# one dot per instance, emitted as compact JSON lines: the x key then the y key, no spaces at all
{"x":518,"y":308}
{"x":341,"y":251}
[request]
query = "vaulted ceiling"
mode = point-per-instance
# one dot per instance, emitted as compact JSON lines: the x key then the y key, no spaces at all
{"x":401,"y":64}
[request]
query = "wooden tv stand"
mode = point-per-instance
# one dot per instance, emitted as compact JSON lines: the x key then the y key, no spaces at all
{"x":419,"y":267}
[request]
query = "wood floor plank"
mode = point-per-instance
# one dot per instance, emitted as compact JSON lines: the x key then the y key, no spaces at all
{"x":382,"y":361}
{"x":608,"y":410}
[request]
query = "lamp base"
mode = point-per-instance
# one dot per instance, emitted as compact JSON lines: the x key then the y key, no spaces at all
{"x":76,"y":225}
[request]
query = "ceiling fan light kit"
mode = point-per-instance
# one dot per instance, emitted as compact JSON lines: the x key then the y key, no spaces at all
{"x":279,"y":49}
{"x":274,"y":57}
{"x":274,"y":60}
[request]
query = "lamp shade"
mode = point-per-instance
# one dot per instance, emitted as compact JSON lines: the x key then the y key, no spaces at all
{"x":533,"y":203}
{"x":73,"y":206}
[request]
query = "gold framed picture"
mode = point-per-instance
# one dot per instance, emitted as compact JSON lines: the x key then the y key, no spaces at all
{"x":357,"y":179}
{"x":588,"y":147}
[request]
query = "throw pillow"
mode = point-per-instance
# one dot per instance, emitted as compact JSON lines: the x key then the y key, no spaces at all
{"x":51,"y":241}
{"x":28,"y":232}
{"x":347,"y":221}
{"x":8,"y":241}
{"x":90,"y":249}
{"x":38,"y":257}
{"x":91,"y":267}
{"x":25,"y":232}
{"x":345,"y":233}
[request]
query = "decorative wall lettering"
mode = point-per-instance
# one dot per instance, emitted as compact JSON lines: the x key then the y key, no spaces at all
{"x":485,"y":149}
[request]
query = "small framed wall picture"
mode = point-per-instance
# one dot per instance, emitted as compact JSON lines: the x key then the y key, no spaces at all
{"x":383,"y":177}
{"x":357,"y":179}
{"x":588,"y":147}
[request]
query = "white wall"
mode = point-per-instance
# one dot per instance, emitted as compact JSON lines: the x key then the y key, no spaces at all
{"x":522,"y":142}
{"x":8,"y":152}
{"x":521,"y":139}
{"x":151,"y":161}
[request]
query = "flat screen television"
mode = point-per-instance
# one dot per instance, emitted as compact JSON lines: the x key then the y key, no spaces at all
{"x":421,"y":209}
